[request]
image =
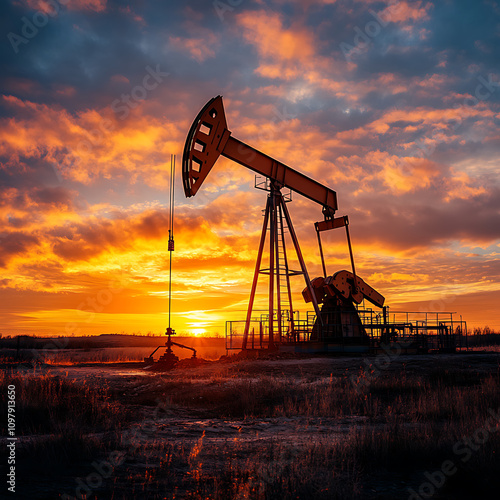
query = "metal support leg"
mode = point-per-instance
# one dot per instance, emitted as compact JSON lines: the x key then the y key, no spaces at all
{"x":278,"y":277}
{"x":272,"y":240}
{"x":256,"y":275}
{"x":302,"y":264}
{"x":285,"y":259}
{"x":352,"y":258}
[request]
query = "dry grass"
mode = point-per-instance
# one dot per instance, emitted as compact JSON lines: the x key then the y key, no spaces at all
{"x":398,"y":426}
{"x":438,"y":395}
{"x":410,"y":425}
{"x":368,"y":463}
{"x":61,"y":426}
{"x":68,"y":357}
{"x":47,"y":404}
{"x":486,"y":348}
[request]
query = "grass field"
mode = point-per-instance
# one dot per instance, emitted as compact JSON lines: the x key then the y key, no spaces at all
{"x":265,"y":429}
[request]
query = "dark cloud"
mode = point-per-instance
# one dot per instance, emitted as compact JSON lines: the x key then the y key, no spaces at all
{"x":410,"y":223}
{"x":15,"y":243}
{"x":154,"y":225}
{"x":54,"y":196}
{"x":83,"y":241}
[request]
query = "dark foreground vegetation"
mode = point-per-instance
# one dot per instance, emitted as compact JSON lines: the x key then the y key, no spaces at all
{"x":422,"y":427}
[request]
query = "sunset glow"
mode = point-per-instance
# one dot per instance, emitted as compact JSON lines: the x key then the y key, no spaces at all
{"x":404,"y":127}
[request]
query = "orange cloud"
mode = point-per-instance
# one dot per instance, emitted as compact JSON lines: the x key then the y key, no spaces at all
{"x":402,"y":175}
{"x":285,"y":52}
{"x":91,"y":143}
{"x":402,"y":12}
{"x":136,"y":17}
{"x":437,"y":119}
{"x":462,"y":186}
{"x":200,"y":49}
{"x":265,"y":30}
{"x":120,"y":79}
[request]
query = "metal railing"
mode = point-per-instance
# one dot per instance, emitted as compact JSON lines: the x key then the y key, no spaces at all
{"x":424,"y":331}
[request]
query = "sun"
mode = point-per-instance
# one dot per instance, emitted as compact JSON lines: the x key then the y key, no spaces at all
{"x":198,"y":331}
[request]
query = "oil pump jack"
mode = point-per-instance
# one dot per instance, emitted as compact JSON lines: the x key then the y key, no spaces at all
{"x":209,"y":138}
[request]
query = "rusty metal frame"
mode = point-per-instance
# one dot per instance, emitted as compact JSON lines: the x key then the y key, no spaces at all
{"x":273,"y":216}
{"x":256,"y":274}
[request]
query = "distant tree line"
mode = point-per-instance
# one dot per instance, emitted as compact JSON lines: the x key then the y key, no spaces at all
{"x":483,"y":337}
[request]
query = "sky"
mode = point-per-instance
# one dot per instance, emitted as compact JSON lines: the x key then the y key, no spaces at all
{"x":393,"y":104}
